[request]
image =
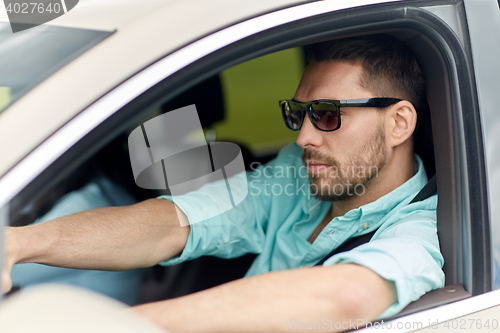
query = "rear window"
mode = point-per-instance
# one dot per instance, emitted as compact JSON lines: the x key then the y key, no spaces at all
{"x":29,"y":57}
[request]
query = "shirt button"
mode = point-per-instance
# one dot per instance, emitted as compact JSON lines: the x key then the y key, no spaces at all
{"x":365,"y":225}
{"x":333,"y":231}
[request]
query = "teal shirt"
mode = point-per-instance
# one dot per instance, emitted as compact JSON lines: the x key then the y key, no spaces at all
{"x":279,"y":215}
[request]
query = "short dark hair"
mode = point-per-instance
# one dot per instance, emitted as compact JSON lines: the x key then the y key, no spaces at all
{"x":390,"y":68}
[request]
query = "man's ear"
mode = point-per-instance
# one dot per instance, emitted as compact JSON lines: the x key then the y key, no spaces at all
{"x":402,"y":118}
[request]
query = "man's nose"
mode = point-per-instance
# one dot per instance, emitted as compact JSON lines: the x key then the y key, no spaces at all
{"x":309,"y":136}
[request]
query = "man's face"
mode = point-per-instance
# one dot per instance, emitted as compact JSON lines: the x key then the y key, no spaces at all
{"x":347,"y":161}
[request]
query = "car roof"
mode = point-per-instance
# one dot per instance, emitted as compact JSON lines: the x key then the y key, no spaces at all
{"x":105,"y":14}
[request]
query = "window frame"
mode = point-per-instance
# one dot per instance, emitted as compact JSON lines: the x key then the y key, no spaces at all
{"x":480,"y":16}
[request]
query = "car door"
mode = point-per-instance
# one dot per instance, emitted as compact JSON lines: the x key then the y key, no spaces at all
{"x":444,"y":37}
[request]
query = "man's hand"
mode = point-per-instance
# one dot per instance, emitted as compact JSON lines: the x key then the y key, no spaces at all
{"x":6,"y":280}
{"x":8,"y":260}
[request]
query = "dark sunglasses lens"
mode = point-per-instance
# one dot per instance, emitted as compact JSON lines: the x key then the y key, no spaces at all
{"x":293,"y":115}
{"x":325,"y":116}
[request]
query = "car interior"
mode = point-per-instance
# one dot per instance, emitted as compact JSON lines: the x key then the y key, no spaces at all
{"x":439,"y":141}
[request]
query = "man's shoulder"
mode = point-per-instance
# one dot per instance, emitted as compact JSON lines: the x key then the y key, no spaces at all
{"x":290,"y":151}
{"x":286,"y":168}
{"x":422,"y":212}
{"x":288,"y":156}
{"x":426,"y":206}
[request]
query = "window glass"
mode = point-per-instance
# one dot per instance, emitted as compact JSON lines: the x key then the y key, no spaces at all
{"x":251,"y":117}
{"x":29,"y":57}
{"x":251,"y":93}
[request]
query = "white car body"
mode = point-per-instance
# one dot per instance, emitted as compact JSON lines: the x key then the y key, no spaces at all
{"x":150,"y":41}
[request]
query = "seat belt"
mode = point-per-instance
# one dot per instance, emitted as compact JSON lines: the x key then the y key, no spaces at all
{"x":427,"y":191}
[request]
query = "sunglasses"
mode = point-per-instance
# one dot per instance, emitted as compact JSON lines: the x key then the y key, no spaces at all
{"x":324,"y":113}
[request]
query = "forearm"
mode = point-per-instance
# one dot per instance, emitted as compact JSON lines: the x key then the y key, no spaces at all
{"x":271,"y":302}
{"x":112,"y":238}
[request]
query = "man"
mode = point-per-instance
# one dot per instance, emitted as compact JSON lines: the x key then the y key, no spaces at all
{"x":362,"y":175}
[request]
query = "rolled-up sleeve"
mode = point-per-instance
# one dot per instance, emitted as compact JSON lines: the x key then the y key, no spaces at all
{"x":404,"y":250}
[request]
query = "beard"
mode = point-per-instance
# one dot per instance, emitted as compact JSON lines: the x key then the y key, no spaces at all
{"x":340,"y":182}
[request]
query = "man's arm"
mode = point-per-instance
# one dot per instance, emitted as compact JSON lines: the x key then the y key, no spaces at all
{"x":279,"y":302}
{"x":111,"y":238}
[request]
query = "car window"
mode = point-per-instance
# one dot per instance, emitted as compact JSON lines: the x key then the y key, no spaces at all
{"x":250,"y":90}
{"x":239,"y":128}
{"x":247,"y":114}
{"x":29,"y":57}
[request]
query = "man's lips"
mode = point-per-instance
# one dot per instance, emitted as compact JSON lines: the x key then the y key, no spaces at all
{"x":316,"y":166}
